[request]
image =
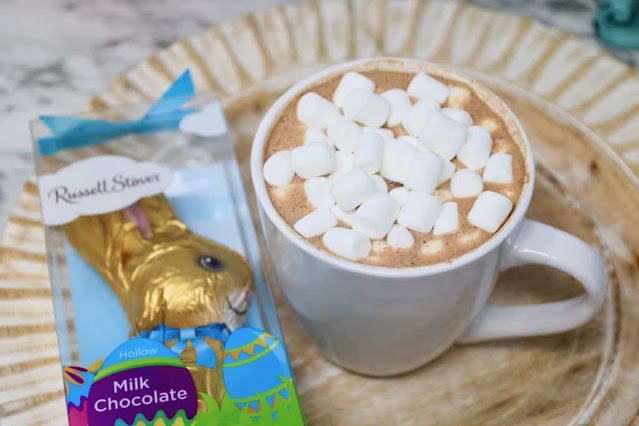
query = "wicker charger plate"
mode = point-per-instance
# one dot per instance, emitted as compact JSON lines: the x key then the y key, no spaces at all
{"x":552,"y":81}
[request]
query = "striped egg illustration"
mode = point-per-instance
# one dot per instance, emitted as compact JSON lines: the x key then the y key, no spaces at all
{"x":254,"y":367}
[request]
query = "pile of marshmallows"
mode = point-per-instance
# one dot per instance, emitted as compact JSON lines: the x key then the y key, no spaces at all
{"x":356,"y":159}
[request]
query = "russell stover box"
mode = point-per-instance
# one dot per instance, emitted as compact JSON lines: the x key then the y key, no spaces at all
{"x":162,"y":312}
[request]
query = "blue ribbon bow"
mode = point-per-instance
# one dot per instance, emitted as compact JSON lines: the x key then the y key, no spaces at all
{"x":73,"y":132}
{"x":205,"y":355}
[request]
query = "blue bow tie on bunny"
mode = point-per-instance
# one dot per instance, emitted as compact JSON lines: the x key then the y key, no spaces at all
{"x":166,"y":114}
{"x":205,"y":355}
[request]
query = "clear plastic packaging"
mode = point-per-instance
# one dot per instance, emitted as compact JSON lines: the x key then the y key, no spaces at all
{"x":162,"y":311}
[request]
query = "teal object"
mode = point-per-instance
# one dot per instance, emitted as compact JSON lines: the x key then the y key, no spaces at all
{"x":617,"y":22}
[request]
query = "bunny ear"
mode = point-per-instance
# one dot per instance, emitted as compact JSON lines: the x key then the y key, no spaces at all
{"x":151,"y":214}
{"x":135,"y":213}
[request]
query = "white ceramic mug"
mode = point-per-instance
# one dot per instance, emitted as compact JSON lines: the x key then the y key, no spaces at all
{"x":382,"y":321}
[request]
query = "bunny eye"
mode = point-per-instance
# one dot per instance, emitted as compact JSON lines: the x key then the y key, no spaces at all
{"x":211,"y":263}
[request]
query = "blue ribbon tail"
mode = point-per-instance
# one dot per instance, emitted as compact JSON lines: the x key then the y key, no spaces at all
{"x":177,"y":95}
{"x":205,"y":354}
{"x":59,"y":125}
{"x":179,"y":347}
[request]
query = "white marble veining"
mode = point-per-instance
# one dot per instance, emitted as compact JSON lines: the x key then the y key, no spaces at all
{"x":55,"y":54}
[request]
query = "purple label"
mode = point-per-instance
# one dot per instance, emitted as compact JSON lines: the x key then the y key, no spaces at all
{"x":142,"y":390}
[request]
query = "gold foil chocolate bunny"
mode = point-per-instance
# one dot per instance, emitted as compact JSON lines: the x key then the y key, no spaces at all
{"x":174,"y":285}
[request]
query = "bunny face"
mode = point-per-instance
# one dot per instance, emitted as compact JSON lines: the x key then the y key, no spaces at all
{"x":190,"y":281}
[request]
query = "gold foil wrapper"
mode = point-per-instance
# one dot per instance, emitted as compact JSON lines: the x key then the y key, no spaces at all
{"x":163,"y":273}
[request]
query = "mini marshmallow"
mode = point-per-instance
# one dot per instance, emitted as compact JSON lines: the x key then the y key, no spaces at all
{"x":343,"y":133}
{"x":424,"y":172}
{"x":315,"y":135}
{"x":366,"y":108}
{"x":349,"y":82}
{"x":443,"y":135}
{"x":459,"y":115}
{"x":431,"y":247}
{"x":459,"y":97}
{"x":375,"y":216}
{"x":399,"y":194}
{"x":448,"y":170}
{"x":344,"y":216}
{"x":411,"y":139}
{"x":466,"y":183}
{"x":425,"y":86}
{"x":386,"y":134}
{"x":345,"y":162}
{"x":278,"y":169}
{"x":414,"y":142}
{"x":417,"y":116}
{"x":396,"y":160}
{"x":347,"y":243}
{"x":490,"y":124}
{"x":353,"y":189}
{"x":318,"y":192}
{"x":380,"y":184}
{"x":315,"y":223}
{"x":400,"y":237}
{"x":400,"y":105}
{"x":489,"y":211}
{"x":499,"y":169}
{"x":369,"y":152}
{"x":475,"y":152}
{"x":312,"y":160}
{"x":419,"y":212}
{"x":315,"y":111}
{"x":448,"y":219}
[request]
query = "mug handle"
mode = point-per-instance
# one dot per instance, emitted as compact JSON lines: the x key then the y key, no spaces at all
{"x":537,"y":243}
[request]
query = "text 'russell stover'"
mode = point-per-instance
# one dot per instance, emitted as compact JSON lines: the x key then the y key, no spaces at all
{"x":117,"y":183}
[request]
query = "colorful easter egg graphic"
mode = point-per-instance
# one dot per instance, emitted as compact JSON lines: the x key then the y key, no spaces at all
{"x":77,"y":383}
{"x":141,"y":379}
{"x":254,"y":365}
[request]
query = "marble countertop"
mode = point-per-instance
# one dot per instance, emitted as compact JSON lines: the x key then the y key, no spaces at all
{"x":55,"y":55}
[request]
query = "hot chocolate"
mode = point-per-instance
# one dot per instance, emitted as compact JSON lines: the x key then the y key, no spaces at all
{"x":394,"y":169}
